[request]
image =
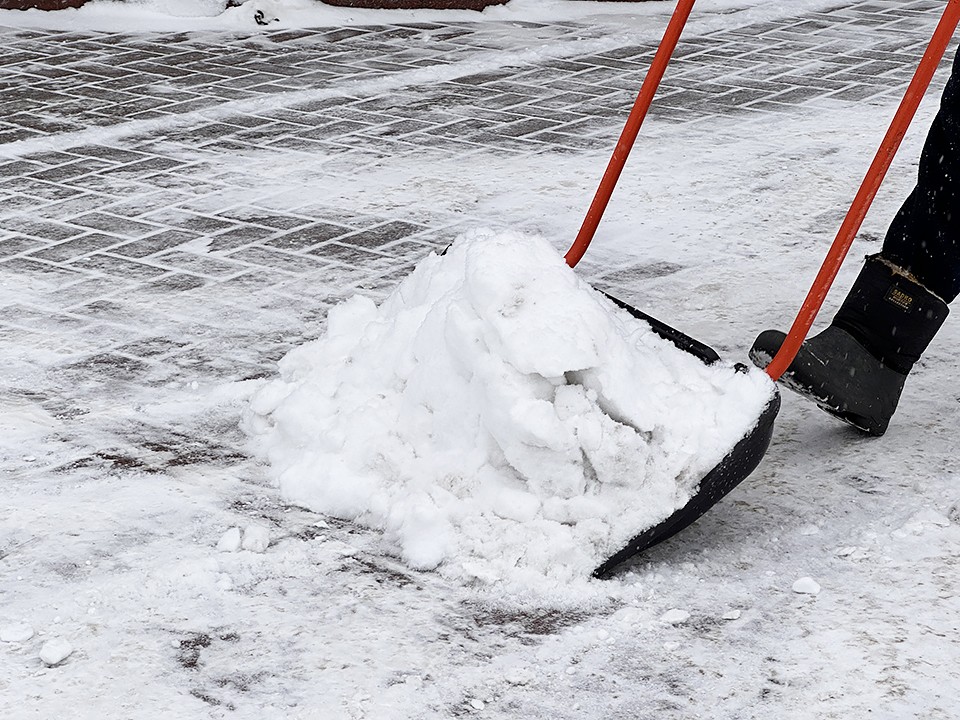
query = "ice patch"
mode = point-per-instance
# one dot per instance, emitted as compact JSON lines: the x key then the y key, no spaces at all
{"x":16,"y":633}
{"x":498,"y":418}
{"x":920,"y":522}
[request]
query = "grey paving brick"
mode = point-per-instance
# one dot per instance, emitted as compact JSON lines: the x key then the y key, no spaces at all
{"x":81,"y":292}
{"x":44,"y":274}
{"x":274,"y":259}
{"x":239,"y":237}
{"x":174,"y":283}
{"x":40,"y":320}
{"x":192,"y":222}
{"x":151,"y":347}
{"x":350,"y":254}
{"x":118,"y":266}
{"x":83,"y":245}
{"x":198,"y":264}
{"x":16,"y":245}
{"x":309,"y":236}
{"x":50,"y":231}
{"x":106,"y":367}
{"x":150,"y":245}
{"x":377,"y":237}
{"x":15,"y":168}
{"x":120,"y":226}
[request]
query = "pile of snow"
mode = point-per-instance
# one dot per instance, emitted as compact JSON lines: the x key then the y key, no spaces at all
{"x":498,"y":418}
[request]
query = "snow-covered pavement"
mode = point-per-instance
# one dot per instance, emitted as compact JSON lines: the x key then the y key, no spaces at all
{"x":181,"y":207}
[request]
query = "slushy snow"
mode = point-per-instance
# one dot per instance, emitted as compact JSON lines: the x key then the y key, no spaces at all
{"x":497,"y":417}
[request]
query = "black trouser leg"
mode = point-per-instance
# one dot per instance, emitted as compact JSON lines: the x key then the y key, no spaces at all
{"x":924,"y":237}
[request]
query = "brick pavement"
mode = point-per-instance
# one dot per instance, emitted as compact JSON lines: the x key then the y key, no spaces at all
{"x":142,"y":258}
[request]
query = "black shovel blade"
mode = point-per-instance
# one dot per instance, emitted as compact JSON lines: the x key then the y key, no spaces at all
{"x":728,"y":473}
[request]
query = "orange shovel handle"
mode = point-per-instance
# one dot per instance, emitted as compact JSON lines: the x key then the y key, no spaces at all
{"x":629,"y":135}
{"x":868,"y":190}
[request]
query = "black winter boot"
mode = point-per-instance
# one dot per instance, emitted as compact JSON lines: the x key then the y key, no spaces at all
{"x":855,"y":369}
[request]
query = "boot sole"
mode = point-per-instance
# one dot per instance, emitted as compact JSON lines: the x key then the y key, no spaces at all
{"x":762,"y":359}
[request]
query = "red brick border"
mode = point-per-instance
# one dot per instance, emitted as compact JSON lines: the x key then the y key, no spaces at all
{"x":417,"y":4}
{"x":40,"y":4}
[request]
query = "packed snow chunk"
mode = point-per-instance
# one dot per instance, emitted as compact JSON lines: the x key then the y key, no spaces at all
{"x":497,"y":417}
{"x":256,"y":538}
{"x":16,"y":633}
{"x":55,"y":651}
{"x":230,"y":541}
{"x":806,"y":586}
{"x":675,"y":616}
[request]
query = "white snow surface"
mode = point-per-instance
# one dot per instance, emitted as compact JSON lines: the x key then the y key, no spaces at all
{"x":498,"y":416}
{"x":121,"y":559}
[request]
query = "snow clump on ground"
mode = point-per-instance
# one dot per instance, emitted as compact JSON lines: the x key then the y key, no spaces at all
{"x":498,"y":418}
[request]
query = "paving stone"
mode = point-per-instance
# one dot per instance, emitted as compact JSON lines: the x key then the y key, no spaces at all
{"x":121,"y":267}
{"x":39,"y":320}
{"x":252,"y":216}
{"x":198,"y":264}
{"x":45,"y":275}
{"x":151,"y":347}
{"x":152,"y":244}
{"x":199,"y":224}
{"x":174,"y":283}
{"x":349,"y":254}
{"x":75,"y":248}
{"x":240,"y":237}
{"x":16,"y":245}
{"x":111,"y":223}
{"x":275,"y":259}
{"x":382,"y":235}
{"x":309,"y":236}
{"x":17,"y":168}
{"x":67,"y":296}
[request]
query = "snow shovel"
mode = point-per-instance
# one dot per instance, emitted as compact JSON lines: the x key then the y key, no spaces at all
{"x":746,"y":454}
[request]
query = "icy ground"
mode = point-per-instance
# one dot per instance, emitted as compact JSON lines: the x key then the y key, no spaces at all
{"x":181,"y":209}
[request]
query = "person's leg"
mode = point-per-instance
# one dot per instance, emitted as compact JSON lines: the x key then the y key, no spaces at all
{"x":856,"y":368}
{"x":924,"y":237}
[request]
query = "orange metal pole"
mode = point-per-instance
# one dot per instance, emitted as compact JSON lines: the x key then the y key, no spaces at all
{"x":868,"y":190}
{"x":629,"y":135}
